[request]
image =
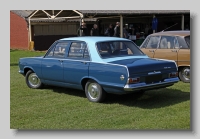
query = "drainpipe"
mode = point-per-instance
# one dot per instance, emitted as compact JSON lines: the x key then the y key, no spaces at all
{"x":121,"y":26}
{"x":81,"y":19}
{"x":182,"y":22}
{"x":152,"y":23}
{"x":80,"y":31}
{"x":29,"y":28}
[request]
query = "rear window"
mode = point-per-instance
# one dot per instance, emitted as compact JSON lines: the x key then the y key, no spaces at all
{"x":117,"y":49}
{"x":187,"y":39}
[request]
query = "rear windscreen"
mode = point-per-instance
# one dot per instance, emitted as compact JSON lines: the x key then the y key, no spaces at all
{"x":118,"y":49}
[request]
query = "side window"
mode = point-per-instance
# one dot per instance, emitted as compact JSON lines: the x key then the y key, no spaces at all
{"x":168,"y":42}
{"x":144,"y":45}
{"x":187,"y":39}
{"x":86,"y":53}
{"x":153,"y":42}
{"x":59,"y":50}
{"x":182,"y":43}
{"x":78,"y":50}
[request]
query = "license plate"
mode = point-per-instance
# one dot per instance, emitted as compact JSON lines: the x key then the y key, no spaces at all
{"x":153,"y":78}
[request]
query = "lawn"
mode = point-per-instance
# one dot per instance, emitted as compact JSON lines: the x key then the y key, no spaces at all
{"x":64,"y":108}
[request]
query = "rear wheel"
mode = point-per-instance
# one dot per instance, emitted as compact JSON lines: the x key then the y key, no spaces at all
{"x":32,"y":80}
{"x":184,"y":74}
{"x":94,"y":92}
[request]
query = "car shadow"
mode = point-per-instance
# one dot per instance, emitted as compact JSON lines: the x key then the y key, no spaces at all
{"x":148,"y":100}
{"x":68,"y":91}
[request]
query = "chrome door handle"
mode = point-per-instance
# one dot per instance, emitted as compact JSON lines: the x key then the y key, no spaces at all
{"x":84,"y":62}
{"x":151,"y":50}
{"x":174,"y":50}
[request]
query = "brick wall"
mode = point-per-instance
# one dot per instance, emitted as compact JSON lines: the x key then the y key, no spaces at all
{"x":18,"y":32}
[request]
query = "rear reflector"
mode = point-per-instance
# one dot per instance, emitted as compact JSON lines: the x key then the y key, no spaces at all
{"x":173,"y":74}
{"x":133,"y":80}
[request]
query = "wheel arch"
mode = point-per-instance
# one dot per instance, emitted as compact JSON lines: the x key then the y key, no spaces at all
{"x":182,"y":66}
{"x":84,"y":81}
{"x":26,"y":69}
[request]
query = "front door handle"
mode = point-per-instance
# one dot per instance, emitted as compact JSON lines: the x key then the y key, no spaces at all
{"x":84,"y":62}
{"x":151,"y":50}
{"x":60,"y":60}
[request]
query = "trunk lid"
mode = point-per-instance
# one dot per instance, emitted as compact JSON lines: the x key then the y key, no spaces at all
{"x":148,"y":69}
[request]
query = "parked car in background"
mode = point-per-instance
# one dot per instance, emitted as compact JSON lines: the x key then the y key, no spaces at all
{"x":172,"y":45}
{"x":98,"y":65}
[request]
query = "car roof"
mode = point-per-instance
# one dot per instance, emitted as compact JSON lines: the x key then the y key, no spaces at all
{"x":95,"y":38}
{"x":173,"y":33}
{"x":91,"y":42}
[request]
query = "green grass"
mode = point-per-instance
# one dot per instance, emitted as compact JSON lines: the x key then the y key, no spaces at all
{"x":64,"y":108}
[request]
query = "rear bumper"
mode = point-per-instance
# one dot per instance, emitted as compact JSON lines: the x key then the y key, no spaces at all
{"x":144,"y":86}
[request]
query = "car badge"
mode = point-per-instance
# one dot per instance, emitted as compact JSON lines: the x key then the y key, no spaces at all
{"x":122,"y":77}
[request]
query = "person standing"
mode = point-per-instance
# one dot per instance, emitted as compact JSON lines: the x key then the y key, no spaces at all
{"x":125,"y":32}
{"x":94,"y":31}
{"x":154,"y":24}
{"x":117,"y":30}
{"x":133,"y":31}
{"x":109,"y":31}
{"x":84,"y":30}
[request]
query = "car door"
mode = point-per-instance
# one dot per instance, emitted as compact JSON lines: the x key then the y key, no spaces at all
{"x":76,"y":64}
{"x":149,"y":46}
{"x":184,"y":51}
{"x":52,"y":63}
{"x":166,"y":48}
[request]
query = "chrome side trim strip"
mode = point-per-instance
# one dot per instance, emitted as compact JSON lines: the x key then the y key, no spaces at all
{"x":95,"y":62}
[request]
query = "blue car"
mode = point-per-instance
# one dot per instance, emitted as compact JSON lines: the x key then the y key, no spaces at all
{"x":98,"y":65}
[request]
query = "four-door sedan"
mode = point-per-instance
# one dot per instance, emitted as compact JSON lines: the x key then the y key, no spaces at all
{"x":98,"y":65}
{"x":172,"y":45}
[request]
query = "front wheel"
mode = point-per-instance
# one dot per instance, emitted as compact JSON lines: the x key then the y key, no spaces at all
{"x":184,"y":74}
{"x":94,"y":92}
{"x":32,"y":80}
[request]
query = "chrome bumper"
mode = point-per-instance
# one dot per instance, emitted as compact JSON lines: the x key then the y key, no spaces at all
{"x":144,"y":86}
{"x":21,"y":72}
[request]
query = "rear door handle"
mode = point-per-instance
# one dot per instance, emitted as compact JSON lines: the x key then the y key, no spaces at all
{"x":60,"y":60}
{"x":174,"y":50}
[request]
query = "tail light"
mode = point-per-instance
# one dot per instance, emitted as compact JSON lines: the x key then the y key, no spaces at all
{"x":173,"y":74}
{"x":133,"y":80}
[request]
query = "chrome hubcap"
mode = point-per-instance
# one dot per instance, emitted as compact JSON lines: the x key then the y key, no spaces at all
{"x":93,"y":91}
{"x":33,"y":80}
{"x":186,"y":73}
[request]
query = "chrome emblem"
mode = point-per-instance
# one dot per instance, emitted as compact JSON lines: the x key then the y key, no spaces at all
{"x":122,"y":77}
{"x":154,"y":72}
{"x":167,"y":67}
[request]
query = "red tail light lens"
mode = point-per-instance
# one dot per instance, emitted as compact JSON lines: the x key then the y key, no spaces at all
{"x":133,"y":80}
{"x":173,"y":74}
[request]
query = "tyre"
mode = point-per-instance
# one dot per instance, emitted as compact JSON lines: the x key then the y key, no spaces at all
{"x":184,"y":74}
{"x":32,"y":80}
{"x":94,"y":92}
